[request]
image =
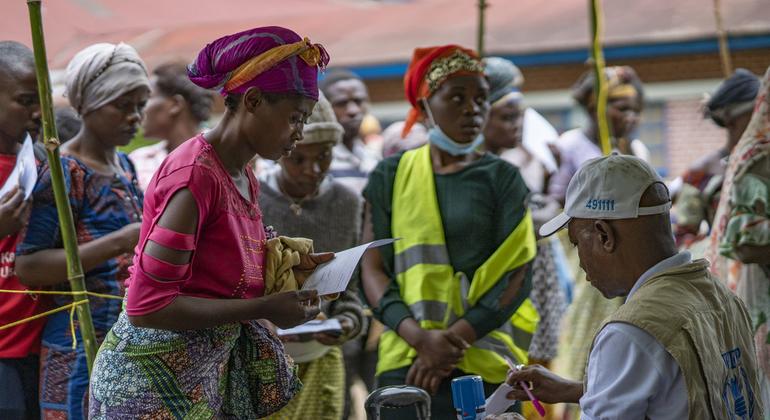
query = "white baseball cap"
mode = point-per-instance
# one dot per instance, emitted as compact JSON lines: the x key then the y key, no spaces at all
{"x":607,"y":187}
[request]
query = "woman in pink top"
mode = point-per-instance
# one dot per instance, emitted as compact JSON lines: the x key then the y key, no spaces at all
{"x":187,"y":343}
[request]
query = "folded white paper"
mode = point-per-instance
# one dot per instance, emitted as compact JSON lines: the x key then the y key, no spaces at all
{"x":312,"y":327}
{"x":498,"y":402}
{"x":24,"y":174}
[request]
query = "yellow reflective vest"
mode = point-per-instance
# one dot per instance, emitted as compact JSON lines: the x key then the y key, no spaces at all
{"x":438,"y":296}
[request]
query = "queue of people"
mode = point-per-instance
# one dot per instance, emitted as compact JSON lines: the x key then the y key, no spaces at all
{"x":184,"y":235}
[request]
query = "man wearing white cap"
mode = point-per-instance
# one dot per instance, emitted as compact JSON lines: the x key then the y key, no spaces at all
{"x":681,"y":346}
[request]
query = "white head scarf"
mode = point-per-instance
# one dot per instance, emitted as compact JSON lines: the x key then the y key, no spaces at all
{"x":102,"y":73}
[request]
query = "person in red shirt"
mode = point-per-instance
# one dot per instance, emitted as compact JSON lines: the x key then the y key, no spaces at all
{"x":20,"y":345}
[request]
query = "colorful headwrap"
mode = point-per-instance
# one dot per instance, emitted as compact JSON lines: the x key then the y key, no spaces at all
{"x":430,"y":68}
{"x":274,"y":59}
{"x":622,"y":82}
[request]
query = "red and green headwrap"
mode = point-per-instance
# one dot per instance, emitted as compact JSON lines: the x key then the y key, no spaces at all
{"x":430,"y":68}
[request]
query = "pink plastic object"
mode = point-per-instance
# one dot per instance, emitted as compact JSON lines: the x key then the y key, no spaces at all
{"x":535,"y":402}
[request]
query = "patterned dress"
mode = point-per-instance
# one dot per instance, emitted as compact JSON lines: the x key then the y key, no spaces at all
{"x":101,"y":204}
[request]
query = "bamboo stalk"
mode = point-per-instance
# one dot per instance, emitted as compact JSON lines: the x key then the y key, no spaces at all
{"x":481,"y":28}
{"x":600,"y":86}
{"x":724,"y":48}
{"x":66,"y":223}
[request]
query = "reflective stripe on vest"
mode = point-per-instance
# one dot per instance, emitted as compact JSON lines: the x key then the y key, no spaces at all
{"x":435,"y":294}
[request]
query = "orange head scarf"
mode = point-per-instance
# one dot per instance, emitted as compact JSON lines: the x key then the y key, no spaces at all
{"x":432,"y":66}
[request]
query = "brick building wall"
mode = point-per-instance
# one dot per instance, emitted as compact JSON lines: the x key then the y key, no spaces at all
{"x":688,"y":135}
{"x":650,"y":70}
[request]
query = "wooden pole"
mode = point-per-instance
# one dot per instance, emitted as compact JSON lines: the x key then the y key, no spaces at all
{"x":66,"y":223}
{"x":481,"y":28}
{"x":600,"y":86}
{"x":724,"y":48}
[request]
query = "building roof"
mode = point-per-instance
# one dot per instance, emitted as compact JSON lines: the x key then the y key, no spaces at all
{"x":370,"y":32}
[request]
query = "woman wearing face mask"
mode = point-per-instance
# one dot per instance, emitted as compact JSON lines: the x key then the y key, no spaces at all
{"x":187,"y":344}
{"x":453,"y":290}
{"x":107,"y":85}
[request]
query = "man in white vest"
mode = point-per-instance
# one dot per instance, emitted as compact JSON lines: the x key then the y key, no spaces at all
{"x":681,"y":346}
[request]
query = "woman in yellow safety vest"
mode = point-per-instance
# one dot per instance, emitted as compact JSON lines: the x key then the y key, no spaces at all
{"x":453,"y":289}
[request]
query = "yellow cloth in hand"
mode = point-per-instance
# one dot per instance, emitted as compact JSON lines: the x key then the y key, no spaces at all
{"x":283,"y":254}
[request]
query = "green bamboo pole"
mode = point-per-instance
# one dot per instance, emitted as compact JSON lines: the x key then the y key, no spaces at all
{"x":66,"y":223}
{"x":601,"y":83}
{"x":481,"y":28}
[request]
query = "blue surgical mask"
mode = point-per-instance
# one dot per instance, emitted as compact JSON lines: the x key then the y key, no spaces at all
{"x":437,"y":137}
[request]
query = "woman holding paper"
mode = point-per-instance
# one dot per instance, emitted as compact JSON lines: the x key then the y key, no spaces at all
{"x":187,"y":344}
{"x":299,"y":198}
{"x":453,"y":290}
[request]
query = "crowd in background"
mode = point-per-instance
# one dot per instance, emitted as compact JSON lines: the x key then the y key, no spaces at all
{"x":339,"y":183}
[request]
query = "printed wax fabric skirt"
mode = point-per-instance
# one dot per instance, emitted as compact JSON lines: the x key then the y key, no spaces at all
{"x":235,"y":371}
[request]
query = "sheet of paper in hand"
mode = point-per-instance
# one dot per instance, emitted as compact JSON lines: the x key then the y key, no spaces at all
{"x":24,"y":174}
{"x":334,"y":276}
{"x":498,"y":402}
{"x":330,"y":325}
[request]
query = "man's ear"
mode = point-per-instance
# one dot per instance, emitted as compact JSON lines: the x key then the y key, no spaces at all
{"x":606,"y":235}
{"x":252,"y":99}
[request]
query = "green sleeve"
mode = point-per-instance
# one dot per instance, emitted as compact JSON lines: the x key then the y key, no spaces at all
{"x":487,"y":314}
{"x":391,"y":309}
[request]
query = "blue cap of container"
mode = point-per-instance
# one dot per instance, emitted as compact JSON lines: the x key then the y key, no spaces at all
{"x":468,"y":396}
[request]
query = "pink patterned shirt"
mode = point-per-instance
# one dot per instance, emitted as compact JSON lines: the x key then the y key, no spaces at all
{"x":228,"y":260}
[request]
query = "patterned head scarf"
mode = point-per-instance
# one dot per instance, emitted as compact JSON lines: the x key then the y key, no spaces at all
{"x":102,"y":73}
{"x":322,"y":126}
{"x":430,"y":68}
{"x":505,"y":80}
{"x":274,"y":59}
{"x":622,"y":82}
{"x":753,"y":146}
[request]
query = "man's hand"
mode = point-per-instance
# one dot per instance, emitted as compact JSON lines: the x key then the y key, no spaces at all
{"x":441,"y":348}
{"x":428,"y":378}
{"x":308,"y":263}
{"x":14,"y":212}
{"x":546,"y":386}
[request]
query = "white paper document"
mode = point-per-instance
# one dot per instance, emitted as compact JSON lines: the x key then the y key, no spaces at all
{"x":312,"y":327}
{"x":334,"y":276}
{"x":498,"y":402}
{"x":24,"y":174}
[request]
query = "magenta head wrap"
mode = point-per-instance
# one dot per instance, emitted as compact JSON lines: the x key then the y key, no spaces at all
{"x":282,"y":70}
